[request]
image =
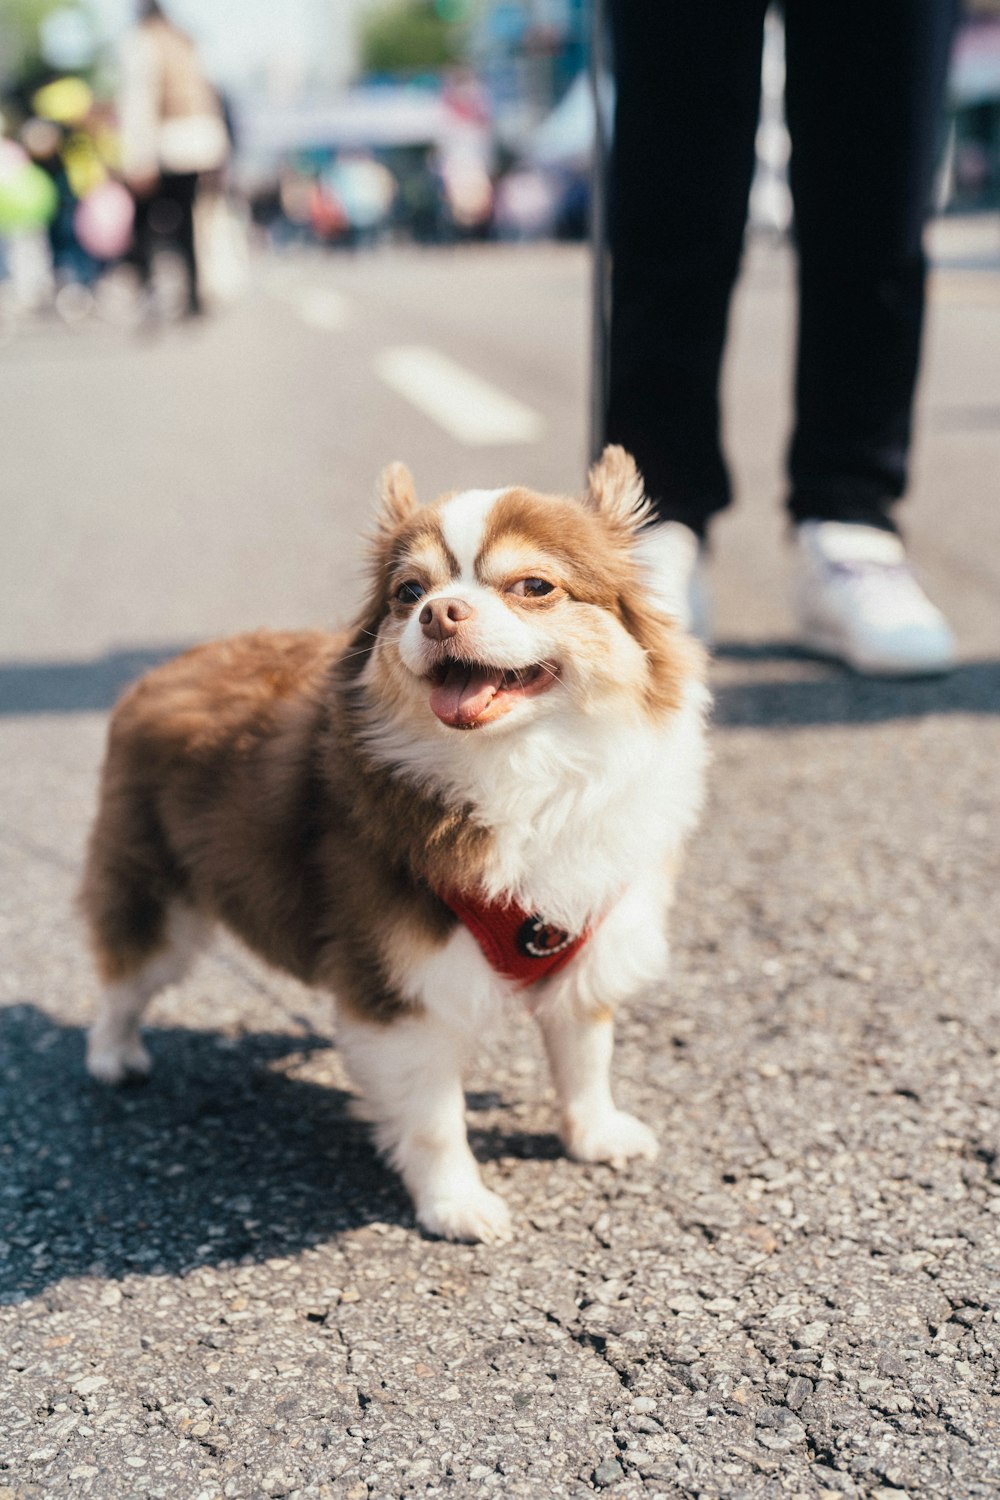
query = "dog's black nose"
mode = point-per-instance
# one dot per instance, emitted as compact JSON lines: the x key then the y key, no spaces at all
{"x":441,"y":618}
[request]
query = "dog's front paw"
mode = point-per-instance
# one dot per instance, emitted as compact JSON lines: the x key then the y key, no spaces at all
{"x":470,"y":1213}
{"x":613,"y":1137}
{"x":116,"y":1060}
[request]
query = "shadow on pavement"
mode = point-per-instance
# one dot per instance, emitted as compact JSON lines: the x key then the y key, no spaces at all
{"x":221,"y":1156}
{"x":833,"y":696}
{"x":73,"y":687}
{"x":836,"y":696}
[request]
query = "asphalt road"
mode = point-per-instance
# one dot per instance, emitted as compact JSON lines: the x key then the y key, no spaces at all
{"x":210,"y":1286}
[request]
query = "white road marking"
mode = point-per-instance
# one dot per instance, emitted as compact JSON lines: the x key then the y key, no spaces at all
{"x":467,"y":407}
{"x":322,"y":307}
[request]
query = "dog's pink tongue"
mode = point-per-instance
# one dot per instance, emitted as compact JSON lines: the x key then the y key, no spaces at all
{"x":465,"y":694}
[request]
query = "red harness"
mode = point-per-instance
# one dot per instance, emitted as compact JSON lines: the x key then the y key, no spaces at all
{"x":519,"y":944}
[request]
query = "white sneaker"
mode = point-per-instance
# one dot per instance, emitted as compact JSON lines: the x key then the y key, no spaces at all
{"x":858,"y":601}
{"x":671,"y":558}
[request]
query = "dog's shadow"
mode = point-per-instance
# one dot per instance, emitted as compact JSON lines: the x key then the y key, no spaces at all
{"x":221,"y":1157}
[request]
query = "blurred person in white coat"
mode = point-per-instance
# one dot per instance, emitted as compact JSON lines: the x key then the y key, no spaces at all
{"x":173,"y":132}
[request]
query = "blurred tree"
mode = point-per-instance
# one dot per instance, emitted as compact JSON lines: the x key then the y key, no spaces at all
{"x":20,"y":37}
{"x":453,"y":10}
{"x":407,"y":35}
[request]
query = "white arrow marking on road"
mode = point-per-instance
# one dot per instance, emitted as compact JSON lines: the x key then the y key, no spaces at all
{"x":467,"y":407}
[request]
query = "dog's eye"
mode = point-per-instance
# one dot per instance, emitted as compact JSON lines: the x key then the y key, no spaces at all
{"x":410,"y":591}
{"x":531,"y":588}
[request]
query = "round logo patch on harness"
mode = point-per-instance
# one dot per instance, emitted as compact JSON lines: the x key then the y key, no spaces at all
{"x":522,"y":947}
{"x":537,"y":938}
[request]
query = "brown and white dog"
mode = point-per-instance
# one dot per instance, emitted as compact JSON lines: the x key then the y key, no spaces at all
{"x":483,"y":787}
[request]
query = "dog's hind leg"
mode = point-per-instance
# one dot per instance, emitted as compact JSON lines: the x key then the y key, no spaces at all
{"x":142,"y":933}
{"x":115,"y":1051}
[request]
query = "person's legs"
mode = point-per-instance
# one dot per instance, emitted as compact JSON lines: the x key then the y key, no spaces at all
{"x":181,"y":188}
{"x":688,"y":85}
{"x":141,"y":253}
{"x":863,"y":93}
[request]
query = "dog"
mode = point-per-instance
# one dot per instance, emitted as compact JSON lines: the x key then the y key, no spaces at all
{"x":480,"y":791}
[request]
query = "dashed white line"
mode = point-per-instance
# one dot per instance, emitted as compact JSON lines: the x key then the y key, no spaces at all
{"x":466,"y":406}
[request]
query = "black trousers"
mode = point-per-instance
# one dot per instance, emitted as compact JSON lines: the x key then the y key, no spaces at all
{"x":864,"y":85}
{"x":165,"y":220}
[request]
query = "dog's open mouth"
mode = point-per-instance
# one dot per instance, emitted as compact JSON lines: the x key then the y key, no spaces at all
{"x":467,"y":694}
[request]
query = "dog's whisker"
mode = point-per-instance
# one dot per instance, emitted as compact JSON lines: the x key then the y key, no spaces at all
{"x":323,"y":776}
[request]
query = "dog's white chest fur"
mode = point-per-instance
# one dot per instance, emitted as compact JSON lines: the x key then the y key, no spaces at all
{"x":587,"y":829}
{"x":512,"y":705}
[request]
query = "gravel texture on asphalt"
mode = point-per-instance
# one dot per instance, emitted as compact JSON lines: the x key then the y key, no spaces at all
{"x":209,"y":1285}
{"x":212,"y":1286}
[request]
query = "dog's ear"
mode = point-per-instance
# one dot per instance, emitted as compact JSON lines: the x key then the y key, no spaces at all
{"x":614,"y":490}
{"x":397,"y":497}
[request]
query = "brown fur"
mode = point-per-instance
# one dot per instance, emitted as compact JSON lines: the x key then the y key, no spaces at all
{"x":236,"y":779}
{"x":599,"y":569}
{"x":228,"y":785}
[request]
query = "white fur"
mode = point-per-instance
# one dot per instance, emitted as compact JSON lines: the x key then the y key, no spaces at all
{"x":579,"y":1045}
{"x":463,"y":521}
{"x":115,"y":1050}
{"x":495,"y":634}
{"x":589,"y":800}
{"x":410,"y":1074}
{"x":584,"y":794}
{"x":457,"y":986}
{"x":627,"y":952}
{"x":579,"y":807}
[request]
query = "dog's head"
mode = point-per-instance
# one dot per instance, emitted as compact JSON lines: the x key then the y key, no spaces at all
{"x":490,"y":608}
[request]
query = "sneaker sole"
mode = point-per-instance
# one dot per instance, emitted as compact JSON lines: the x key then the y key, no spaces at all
{"x":827,"y":648}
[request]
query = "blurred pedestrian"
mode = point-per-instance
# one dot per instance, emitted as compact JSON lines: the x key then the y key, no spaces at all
{"x":173,"y":132}
{"x":44,"y":141}
{"x":863,"y":97}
